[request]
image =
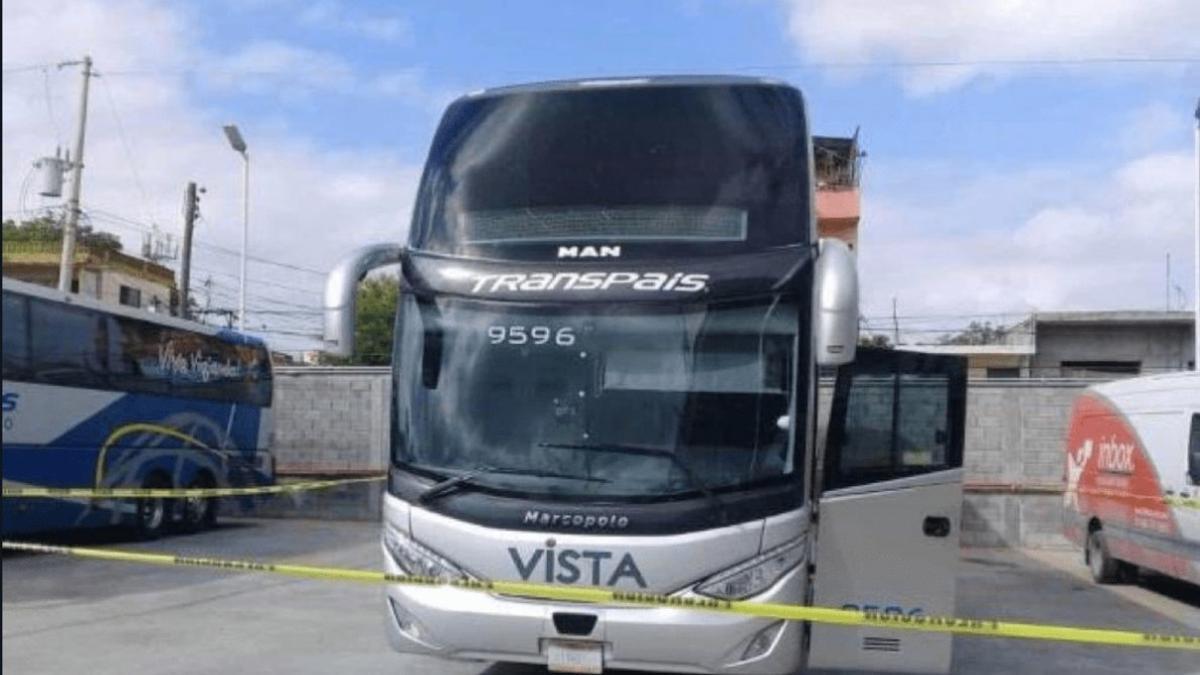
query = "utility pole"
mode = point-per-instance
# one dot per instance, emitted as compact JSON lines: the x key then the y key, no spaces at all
{"x":895,"y":324}
{"x":191,"y":205}
{"x":66,"y":265}
{"x":1168,"y":287}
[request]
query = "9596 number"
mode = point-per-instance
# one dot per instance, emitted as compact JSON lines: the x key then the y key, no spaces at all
{"x":534,"y":335}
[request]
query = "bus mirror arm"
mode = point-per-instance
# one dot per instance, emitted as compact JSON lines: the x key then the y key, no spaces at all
{"x":835,"y":311}
{"x":341,"y":293}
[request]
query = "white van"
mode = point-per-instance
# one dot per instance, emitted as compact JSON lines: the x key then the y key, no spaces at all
{"x":1133,"y":477}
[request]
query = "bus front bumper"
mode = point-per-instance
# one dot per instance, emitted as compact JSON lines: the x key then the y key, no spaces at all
{"x":461,"y":624}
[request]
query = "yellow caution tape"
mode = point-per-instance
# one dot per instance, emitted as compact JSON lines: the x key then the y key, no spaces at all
{"x":592,"y":595}
{"x":119,"y":492}
{"x":1183,"y":502}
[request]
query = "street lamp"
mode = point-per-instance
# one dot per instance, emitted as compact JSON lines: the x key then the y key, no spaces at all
{"x":239,"y":145}
{"x":1196,"y":255}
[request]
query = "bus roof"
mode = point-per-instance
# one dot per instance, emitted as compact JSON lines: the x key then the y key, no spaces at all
{"x":55,"y":295}
{"x":628,"y":82}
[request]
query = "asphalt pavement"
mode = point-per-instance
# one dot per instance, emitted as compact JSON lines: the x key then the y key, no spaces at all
{"x":65,"y":614}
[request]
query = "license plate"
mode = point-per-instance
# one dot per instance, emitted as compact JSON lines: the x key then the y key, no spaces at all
{"x":575,"y":657}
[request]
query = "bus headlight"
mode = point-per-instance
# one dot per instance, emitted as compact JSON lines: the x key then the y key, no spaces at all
{"x":416,"y":560}
{"x":756,"y":574}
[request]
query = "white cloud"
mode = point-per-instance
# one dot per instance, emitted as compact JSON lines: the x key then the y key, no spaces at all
{"x":339,"y":16}
{"x":288,"y":71}
{"x":1153,"y":126}
{"x":310,"y":204}
{"x":989,"y":30}
{"x":1055,"y":238}
{"x":268,"y":66}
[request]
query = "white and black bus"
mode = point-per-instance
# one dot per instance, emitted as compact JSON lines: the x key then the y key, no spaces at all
{"x":613,"y":307}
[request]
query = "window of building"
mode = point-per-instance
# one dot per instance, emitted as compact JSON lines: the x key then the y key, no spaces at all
{"x":131,"y":296}
{"x":1099,"y":368}
{"x":1003,"y":373}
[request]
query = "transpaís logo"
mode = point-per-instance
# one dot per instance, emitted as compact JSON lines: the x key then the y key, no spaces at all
{"x":677,"y":282}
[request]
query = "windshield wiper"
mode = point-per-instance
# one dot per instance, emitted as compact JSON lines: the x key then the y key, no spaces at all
{"x":693,"y":480}
{"x":454,"y":483}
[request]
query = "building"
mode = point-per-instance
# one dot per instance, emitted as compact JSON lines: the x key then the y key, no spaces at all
{"x":1085,"y":345}
{"x":104,"y":274}
{"x":837,"y":164}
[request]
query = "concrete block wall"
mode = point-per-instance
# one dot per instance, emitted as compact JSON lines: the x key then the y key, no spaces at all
{"x":331,"y":420}
{"x":1013,"y":461}
{"x":336,"y":422}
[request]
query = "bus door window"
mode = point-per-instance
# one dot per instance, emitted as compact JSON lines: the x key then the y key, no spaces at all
{"x":901,"y":416}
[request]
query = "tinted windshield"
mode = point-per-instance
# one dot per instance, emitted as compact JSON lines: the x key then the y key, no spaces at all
{"x":647,"y":402}
{"x":695,"y":164}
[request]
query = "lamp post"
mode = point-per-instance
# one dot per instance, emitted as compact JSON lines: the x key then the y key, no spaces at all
{"x":239,"y":145}
{"x":1196,"y":256}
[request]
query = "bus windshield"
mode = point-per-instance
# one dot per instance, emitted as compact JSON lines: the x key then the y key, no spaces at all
{"x":719,"y":169}
{"x":600,"y":401}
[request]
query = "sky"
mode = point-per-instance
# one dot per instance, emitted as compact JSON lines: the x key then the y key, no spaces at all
{"x":1022,"y":155}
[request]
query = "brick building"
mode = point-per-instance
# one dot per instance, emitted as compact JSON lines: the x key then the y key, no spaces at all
{"x":837,"y":165}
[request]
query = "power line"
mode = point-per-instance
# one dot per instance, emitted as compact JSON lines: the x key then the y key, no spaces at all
{"x":137,"y":177}
{"x":58,"y":136}
{"x":110,"y":216}
{"x":10,"y":70}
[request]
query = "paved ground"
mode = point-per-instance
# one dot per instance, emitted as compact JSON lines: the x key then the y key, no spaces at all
{"x":70,"y":615}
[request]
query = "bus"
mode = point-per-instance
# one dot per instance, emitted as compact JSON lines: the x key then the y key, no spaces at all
{"x":613,"y":309}
{"x":1133,"y":477}
{"x":103,"y":396}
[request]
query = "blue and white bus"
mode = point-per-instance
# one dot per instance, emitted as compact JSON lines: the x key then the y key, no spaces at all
{"x":104,"y":396}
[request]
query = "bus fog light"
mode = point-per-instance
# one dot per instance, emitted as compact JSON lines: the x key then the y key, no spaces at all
{"x":405,"y":621}
{"x":755,"y":575}
{"x":763,"y":641}
{"x":416,"y":560}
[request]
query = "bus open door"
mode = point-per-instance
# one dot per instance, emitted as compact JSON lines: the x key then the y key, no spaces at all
{"x":890,"y":507}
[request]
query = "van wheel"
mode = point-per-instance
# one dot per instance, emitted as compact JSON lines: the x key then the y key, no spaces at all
{"x":198,"y":513}
{"x":1104,"y":568}
{"x":152,"y":513}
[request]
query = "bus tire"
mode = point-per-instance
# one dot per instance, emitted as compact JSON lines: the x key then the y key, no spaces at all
{"x":1105,"y":569}
{"x":199,"y":513}
{"x":152,"y":514}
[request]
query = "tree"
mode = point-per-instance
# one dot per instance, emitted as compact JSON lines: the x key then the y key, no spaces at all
{"x":875,"y":340}
{"x":373,"y":323}
{"x":48,"y":229}
{"x":977,"y":333}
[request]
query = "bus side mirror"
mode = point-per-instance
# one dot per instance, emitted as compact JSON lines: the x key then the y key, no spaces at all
{"x":835,"y":310}
{"x":341,"y":293}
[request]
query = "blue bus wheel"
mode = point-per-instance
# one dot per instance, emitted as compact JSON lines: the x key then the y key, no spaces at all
{"x":199,"y":512}
{"x":153,"y":513}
